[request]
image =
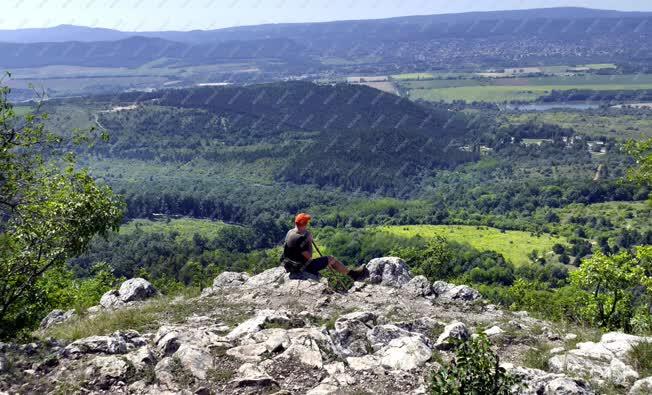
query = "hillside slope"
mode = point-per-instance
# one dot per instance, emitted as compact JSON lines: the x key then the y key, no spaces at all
{"x":274,"y":332}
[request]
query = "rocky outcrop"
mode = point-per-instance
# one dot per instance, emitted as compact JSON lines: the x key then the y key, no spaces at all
{"x":388,"y":271}
{"x":604,"y":361}
{"x":56,"y":317}
{"x":273,"y":332}
{"x":642,"y":387}
{"x":130,"y":292}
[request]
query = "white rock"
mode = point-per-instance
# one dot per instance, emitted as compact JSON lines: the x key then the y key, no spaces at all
{"x":256,"y":323}
{"x":230,"y":279}
{"x":111,"y":300}
{"x":268,"y":278}
{"x":196,"y":361}
{"x":388,"y":271}
{"x":248,"y":352}
{"x":405,"y":353}
{"x":418,"y":286}
{"x":350,"y":333}
{"x":622,"y":375}
{"x":367,"y":362}
{"x":94,"y":345}
{"x":570,"y":337}
{"x":556,"y":350}
{"x":106,"y":371}
{"x":305,"y":351}
{"x":141,"y":358}
{"x":56,"y":317}
{"x":642,"y":387}
{"x":440,"y":287}
{"x":493,"y":331}
{"x":136,"y":289}
{"x":380,"y":335}
{"x":453,"y":331}
{"x":461,"y":292}
{"x":252,"y":375}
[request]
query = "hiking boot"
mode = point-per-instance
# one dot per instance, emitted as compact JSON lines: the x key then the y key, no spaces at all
{"x":358,"y":273}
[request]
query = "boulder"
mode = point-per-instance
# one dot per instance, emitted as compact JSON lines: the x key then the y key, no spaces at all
{"x":538,"y":382}
{"x":388,"y":271}
{"x":641,"y":387}
{"x":405,"y":353}
{"x":622,"y":375}
{"x":230,"y":279}
{"x":256,"y":323}
{"x":111,"y":300}
{"x":304,"y":350}
{"x":103,"y":372}
{"x":141,"y":358}
{"x":419,"y":286}
{"x":136,"y":289}
{"x":493,"y":331}
{"x":269,"y":278}
{"x":250,"y":375}
{"x":114,"y":344}
{"x":380,"y":335}
{"x":441,"y":287}
{"x":452,"y":332}
{"x":248,"y":352}
{"x":460,"y":292}
{"x":350,"y":333}
{"x":196,"y":361}
{"x":367,"y":362}
{"x":166,"y":341}
{"x":57,"y":317}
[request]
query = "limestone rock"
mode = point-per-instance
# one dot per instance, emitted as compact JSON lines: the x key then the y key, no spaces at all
{"x":642,"y":387}
{"x":136,"y":289}
{"x":256,"y":323}
{"x":350,"y":334}
{"x":167,"y":341}
{"x":103,"y":372}
{"x":462,"y":293}
{"x":268,"y":278}
{"x":441,"y":287}
{"x":230,"y":279}
{"x":453,"y":331}
{"x":405,"y":353}
{"x":493,"y":331}
{"x":250,"y":375}
{"x":388,"y":271}
{"x":381,"y":335}
{"x":57,"y":317}
{"x":95,"y":344}
{"x":367,"y":362}
{"x":111,"y":300}
{"x":622,"y":375}
{"x":538,"y":382}
{"x":196,"y":361}
{"x":141,"y":358}
{"x":418,"y":286}
{"x":248,"y":352}
{"x":305,"y":351}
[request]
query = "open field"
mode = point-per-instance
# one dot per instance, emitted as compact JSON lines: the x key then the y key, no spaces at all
{"x":513,"y":245}
{"x":186,"y":227}
{"x":621,"y":127}
{"x":498,"y":90}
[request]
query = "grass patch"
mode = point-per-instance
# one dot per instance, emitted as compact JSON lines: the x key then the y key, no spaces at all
{"x":641,"y":358}
{"x":185,"y":227}
{"x":513,"y":245}
{"x":148,"y":316}
{"x":537,"y":357}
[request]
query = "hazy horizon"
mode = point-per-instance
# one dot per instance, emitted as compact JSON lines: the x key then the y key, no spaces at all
{"x":159,"y":15}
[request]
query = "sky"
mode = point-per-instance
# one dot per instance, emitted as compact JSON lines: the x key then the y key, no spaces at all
{"x":143,"y":15}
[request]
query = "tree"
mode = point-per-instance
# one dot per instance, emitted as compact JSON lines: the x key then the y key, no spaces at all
{"x":641,"y":151}
{"x":49,"y":209}
{"x":613,"y":282}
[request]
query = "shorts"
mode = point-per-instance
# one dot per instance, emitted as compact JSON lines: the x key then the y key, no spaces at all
{"x":314,"y":266}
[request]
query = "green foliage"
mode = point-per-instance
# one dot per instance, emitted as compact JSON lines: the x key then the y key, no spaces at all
{"x":641,"y":358}
{"x":537,"y":357}
{"x":642,"y":153}
{"x":613,"y":283}
{"x":474,"y":370}
{"x":49,"y":211}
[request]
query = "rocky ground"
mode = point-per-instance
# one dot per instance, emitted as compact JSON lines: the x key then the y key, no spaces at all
{"x":272,"y":333}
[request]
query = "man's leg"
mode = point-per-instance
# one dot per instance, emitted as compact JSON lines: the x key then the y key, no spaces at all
{"x":337,"y":265}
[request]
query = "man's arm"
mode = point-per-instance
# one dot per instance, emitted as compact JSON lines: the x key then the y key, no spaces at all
{"x":307,"y":253}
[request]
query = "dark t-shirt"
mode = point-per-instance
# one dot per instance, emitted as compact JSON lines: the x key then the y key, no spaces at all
{"x":295,"y":245}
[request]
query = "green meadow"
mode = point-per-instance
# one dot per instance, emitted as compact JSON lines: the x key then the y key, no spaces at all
{"x":513,"y":245}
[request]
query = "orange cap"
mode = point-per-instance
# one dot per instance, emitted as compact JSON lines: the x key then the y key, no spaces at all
{"x":302,"y":219}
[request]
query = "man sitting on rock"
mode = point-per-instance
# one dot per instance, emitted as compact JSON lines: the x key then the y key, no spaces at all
{"x":297,"y":253}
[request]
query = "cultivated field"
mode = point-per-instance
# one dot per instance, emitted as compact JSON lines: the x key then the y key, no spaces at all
{"x":513,"y":245}
{"x":185,"y":227}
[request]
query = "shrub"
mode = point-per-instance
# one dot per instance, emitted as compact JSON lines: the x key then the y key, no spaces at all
{"x":641,"y":358}
{"x":474,"y":370}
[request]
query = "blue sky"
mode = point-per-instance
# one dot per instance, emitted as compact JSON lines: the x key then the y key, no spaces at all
{"x":140,"y":15}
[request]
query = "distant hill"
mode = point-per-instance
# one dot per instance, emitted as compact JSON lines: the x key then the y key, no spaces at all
{"x":65,"y":33}
{"x":498,"y":38}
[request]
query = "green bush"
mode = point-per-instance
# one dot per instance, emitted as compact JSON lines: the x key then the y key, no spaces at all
{"x":474,"y":370}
